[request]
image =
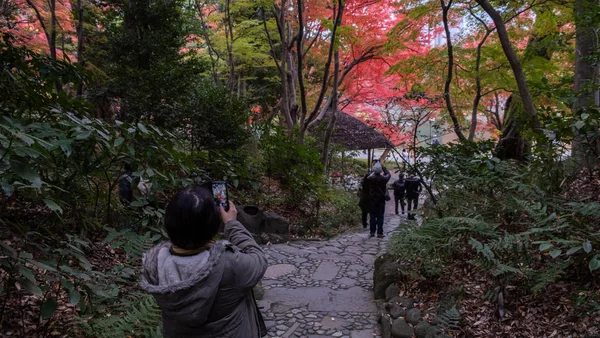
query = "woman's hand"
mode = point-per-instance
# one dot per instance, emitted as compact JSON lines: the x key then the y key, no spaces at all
{"x":230,"y":215}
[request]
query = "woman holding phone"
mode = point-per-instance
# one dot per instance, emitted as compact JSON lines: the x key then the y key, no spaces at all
{"x":202,"y":286}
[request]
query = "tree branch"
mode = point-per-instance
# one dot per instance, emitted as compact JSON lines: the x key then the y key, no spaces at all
{"x":447,"y":97}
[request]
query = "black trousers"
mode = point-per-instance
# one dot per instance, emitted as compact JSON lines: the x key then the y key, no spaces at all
{"x":413,"y":203}
{"x":401,"y":200}
{"x":365,"y":213}
{"x":376,"y":211}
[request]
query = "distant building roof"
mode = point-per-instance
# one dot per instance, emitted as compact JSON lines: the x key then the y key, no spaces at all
{"x":354,"y":134}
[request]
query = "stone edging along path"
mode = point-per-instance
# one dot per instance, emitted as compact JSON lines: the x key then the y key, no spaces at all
{"x":324,"y":289}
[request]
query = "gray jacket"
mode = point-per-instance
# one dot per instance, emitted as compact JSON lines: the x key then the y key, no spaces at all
{"x":208,"y":294}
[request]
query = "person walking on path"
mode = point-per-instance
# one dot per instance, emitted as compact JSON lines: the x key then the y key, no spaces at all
{"x":405,"y":158}
{"x":377,"y":197}
{"x":399,"y":190}
{"x":204,"y":287}
{"x":363,"y":202}
{"x":413,"y":189}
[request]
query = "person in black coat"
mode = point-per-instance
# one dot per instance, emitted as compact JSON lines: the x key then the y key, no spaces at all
{"x":413,"y":189}
{"x":399,"y":191}
{"x":363,"y":202}
{"x":377,"y":197}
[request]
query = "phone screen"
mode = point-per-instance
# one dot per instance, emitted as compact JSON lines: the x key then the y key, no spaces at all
{"x":219,"y":191}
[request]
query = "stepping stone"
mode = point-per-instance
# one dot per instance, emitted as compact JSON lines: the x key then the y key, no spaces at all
{"x":336,"y":323}
{"x":326,"y":271}
{"x":277,"y":256}
{"x":346,"y":281}
{"x":362,"y":334}
{"x":357,"y":267}
{"x":368,"y":259}
{"x":278,"y":270}
{"x":323,"y":299}
{"x":331,"y":249}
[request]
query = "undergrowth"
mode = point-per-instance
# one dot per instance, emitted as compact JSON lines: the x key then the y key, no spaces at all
{"x":506,"y":221}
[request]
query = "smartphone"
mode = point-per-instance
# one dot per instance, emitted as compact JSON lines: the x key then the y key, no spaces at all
{"x":219,"y":191}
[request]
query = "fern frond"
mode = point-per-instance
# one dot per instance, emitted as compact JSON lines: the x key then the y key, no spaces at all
{"x":449,"y":319}
{"x":137,"y":315}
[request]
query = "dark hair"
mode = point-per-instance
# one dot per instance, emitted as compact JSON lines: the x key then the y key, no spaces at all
{"x":127,"y":166}
{"x":192,"y":217}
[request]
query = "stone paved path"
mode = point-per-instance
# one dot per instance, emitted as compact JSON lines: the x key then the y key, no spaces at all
{"x":320,"y":289}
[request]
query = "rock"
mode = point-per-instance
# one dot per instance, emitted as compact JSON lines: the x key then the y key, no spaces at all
{"x":252,"y":217}
{"x":413,"y":316}
{"x":387,"y":271}
{"x":275,"y":224}
{"x":400,"y":329}
{"x":391,"y":292}
{"x":259,"y":291}
{"x":421,"y":329}
{"x":397,"y":311}
{"x":406,"y":302}
{"x":279,"y":270}
{"x":435,"y":332}
{"x":386,"y":327}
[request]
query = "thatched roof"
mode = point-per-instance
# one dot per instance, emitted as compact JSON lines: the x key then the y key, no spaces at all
{"x":354,"y":134}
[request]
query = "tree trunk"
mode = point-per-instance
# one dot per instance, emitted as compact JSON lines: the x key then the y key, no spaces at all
{"x":338,"y":9}
{"x":512,"y":145}
{"x":283,"y":67}
{"x":214,"y":57}
{"x":447,"y":97}
{"x":331,"y":125}
{"x":229,"y":40}
{"x":478,"y":95}
{"x":80,"y":59}
{"x":300,"y":68}
{"x":585,"y":149}
{"x":515,"y":64}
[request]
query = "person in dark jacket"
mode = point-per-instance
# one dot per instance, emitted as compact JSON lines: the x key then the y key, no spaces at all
{"x":413,"y":189}
{"x":399,"y":190}
{"x":125,"y":189}
{"x":363,"y":202}
{"x":377,"y":191}
{"x":204,"y":287}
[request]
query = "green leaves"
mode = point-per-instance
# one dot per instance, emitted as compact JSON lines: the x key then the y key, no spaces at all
{"x":31,"y":287}
{"x":587,"y":246}
{"x":25,"y":171}
{"x":74,"y":297}
{"x":594,"y":263}
{"x":142,"y":128}
{"x":53,"y":205}
{"x":48,"y":308}
{"x":119,"y":141}
{"x":545,"y":247}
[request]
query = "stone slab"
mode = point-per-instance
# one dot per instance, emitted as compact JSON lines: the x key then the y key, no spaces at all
{"x":278,"y":270}
{"x":326,"y":271}
{"x":368,"y":259}
{"x":362,"y":334}
{"x":332,"y":257}
{"x":330,"y":322}
{"x":291,"y":330}
{"x":346,"y":281}
{"x":323,"y":299}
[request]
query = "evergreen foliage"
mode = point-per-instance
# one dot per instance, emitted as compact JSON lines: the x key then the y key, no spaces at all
{"x":501,"y":218}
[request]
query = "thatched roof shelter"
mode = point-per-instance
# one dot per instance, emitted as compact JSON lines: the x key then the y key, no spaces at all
{"x":354,"y":134}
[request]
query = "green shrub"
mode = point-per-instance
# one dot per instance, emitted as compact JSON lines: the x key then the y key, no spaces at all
{"x":495,"y":217}
{"x":341,"y":211}
{"x":297,"y":166}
